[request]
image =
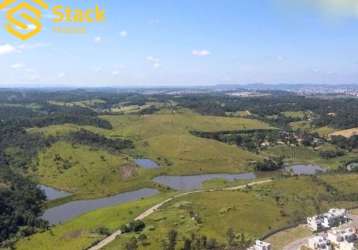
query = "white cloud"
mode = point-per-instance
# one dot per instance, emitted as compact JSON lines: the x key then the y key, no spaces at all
{"x":7,"y":49}
{"x":115,"y":72}
{"x":123,"y":33}
{"x":25,"y":46}
{"x":60,"y":75}
{"x":347,"y":8}
{"x":154,"y":61}
{"x":17,"y":66}
{"x":97,"y":39}
{"x":200,"y":53}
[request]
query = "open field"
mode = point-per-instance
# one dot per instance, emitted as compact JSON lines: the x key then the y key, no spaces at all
{"x":307,"y":126}
{"x":305,"y":155}
{"x":346,"y":133}
{"x":295,"y":114}
{"x":282,"y":202}
{"x":80,"y":233}
{"x":166,"y":138}
{"x":282,"y":239}
{"x":88,"y":172}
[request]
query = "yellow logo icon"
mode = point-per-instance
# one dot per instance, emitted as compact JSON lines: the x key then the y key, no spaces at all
{"x":18,"y":28}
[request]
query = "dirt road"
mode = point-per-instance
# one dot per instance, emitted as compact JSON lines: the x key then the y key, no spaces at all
{"x":151,"y":210}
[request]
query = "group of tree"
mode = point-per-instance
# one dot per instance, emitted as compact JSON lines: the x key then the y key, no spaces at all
{"x":271,"y":164}
{"x":21,"y":204}
{"x":133,"y":226}
{"x":334,"y":112}
{"x":234,"y":241}
{"x":98,"y":141}
{"x":345,"y":143}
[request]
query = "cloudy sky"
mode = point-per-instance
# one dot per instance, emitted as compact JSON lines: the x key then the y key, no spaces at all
{"x":191,"y":42}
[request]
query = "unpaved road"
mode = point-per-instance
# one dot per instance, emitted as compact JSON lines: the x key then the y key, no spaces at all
{"x":296,"y":245}
{"x":151,"y":210}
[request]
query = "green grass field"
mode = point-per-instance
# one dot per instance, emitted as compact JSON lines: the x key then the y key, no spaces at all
{"x":282,"y":239}
{"x":164,"y":138}
{"x":295,"y":114}
{"x":282,"y":202}
{"x":305,"y":155}
{"x":88,"y":172}
{"x":79,"y":233}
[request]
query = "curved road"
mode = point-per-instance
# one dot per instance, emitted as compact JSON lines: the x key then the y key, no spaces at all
{"x":151,"y":210}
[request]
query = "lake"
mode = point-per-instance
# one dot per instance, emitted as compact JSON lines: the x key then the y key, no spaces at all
{"x":53,"y":194}
{"x":195,"y":181}
{"x":146,"y":163}
{"x":305,"y":169}
{"x":73,"y":209}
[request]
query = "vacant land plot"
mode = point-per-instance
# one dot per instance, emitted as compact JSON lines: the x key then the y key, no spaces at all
{"x":306,"y":155}
{"x":282,"y":239}
{"x":295,"y":114}
{"x":86,"y":171}
{"x":280,"y":203}
{"x":164,"y":138}
{"x":346,"y":133}
{"x":82,"y":232}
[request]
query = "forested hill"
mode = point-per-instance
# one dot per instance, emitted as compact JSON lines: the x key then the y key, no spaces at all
{"x":20,"y":205}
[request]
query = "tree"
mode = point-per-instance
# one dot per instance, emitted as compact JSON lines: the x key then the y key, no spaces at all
{"x":172,"y":239}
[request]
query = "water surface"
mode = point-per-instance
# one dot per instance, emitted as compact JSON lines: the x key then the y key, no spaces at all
{"x":146,"y":163}
{"x":52,"y":193}
{"x":70,"y":210}
{"x":305,"y":169}
{"x":195,"y":181}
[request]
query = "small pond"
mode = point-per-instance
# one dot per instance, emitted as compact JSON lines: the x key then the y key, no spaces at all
{"x":146,"y":163}
{"x":53,"y":194}
{"x":305,"y":169}
{"x":195,"y":181}
{"x":73,"y":209}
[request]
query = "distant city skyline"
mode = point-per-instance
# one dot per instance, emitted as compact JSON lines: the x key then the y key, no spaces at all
{"x":191,"y":43}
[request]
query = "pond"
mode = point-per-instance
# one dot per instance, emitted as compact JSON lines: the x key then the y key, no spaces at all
{"x":73,"y":209}
{"x":146,"y":163}
{"x":53,"y":194}
{"x":305,"y":169}
{"x":195,"y":181}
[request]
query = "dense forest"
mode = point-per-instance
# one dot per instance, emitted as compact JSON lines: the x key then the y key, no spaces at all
{"x":337,"y":112}
{"x":21,"y":205}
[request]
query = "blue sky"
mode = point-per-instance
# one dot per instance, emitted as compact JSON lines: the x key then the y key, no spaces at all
{"x":191,"y":42}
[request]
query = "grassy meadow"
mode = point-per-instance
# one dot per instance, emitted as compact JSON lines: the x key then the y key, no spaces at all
{"x":164,"y":138}
{"x":81,"y":232}
{"x":282,"y":202}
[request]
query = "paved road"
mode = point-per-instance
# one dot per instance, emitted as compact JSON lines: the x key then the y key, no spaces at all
{"x":151,"y":210}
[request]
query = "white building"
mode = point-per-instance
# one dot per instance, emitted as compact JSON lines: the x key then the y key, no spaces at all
{"x":334,"y":217}
{"x":260,"y":245}
{"x":315,"y":223}
{"x":319,"y":243}
{"x":344,"y":239}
